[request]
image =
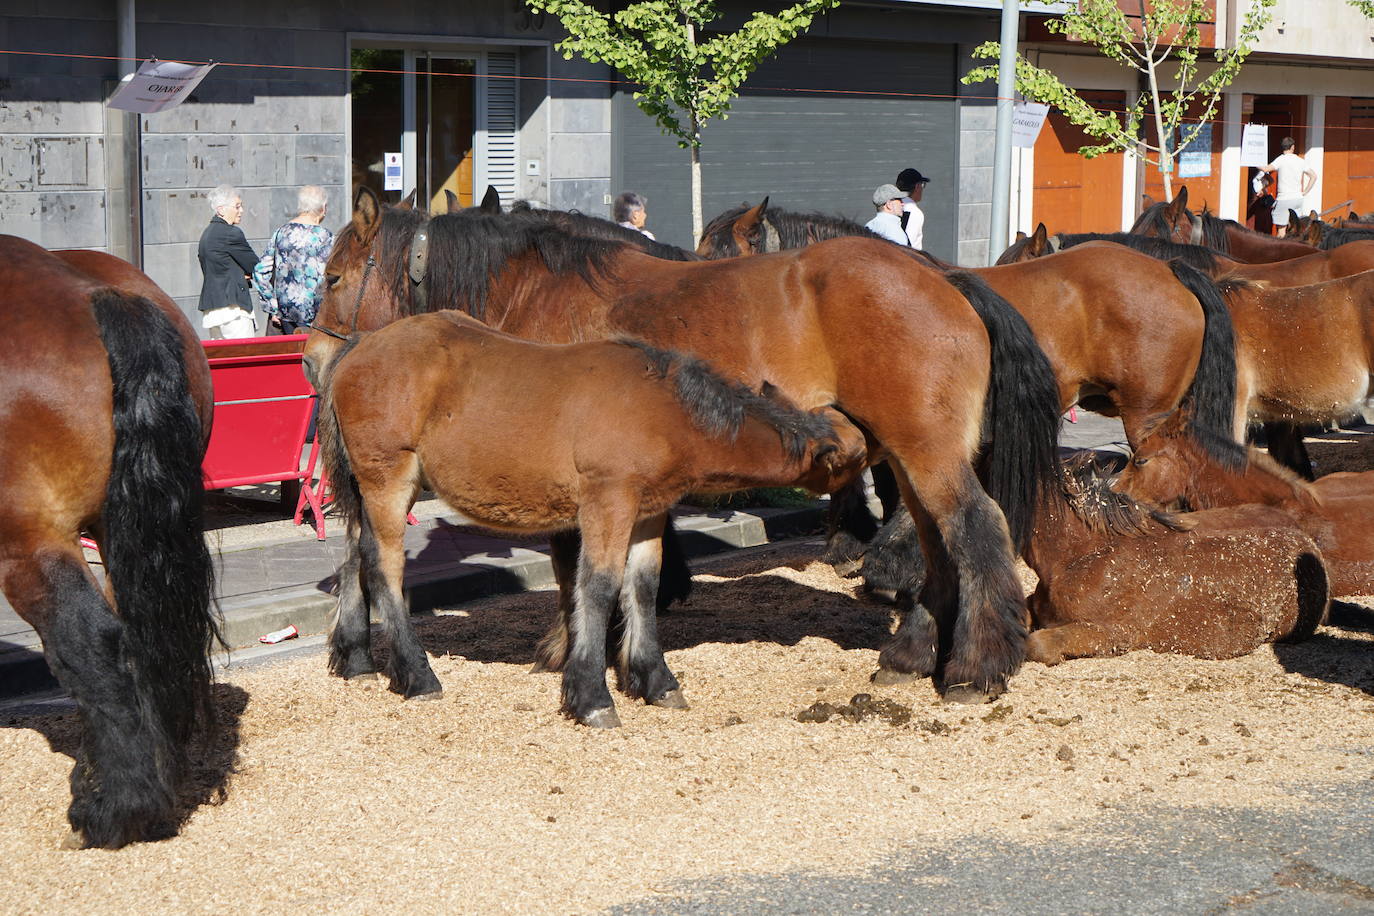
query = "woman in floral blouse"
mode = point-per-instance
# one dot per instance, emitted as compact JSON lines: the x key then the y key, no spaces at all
{"x":290,"y":282}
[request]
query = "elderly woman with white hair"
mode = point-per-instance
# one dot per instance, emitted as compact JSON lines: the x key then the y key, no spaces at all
{"x":290,"y":276}
{"x":226,"y":260}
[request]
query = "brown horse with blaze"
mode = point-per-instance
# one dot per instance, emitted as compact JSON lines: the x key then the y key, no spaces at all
{"x":940,"y":360}
{"x":108,"y":413}
{"x":519,"y":436}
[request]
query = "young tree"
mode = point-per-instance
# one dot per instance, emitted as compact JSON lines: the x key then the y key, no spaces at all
{"x":1166,"y":31}
{"x":684,"y":82}
{"x":1364,"y":6}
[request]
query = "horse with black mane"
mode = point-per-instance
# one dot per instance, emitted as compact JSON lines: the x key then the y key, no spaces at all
{"x":955,"y":360}
{"x":108,"y":408}
{"x":1316,"y":267}
{"x":532,"y":437}
{"x":1174,"y":221}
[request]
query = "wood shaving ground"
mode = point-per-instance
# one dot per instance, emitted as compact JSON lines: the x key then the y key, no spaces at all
{"x":489,"y":801}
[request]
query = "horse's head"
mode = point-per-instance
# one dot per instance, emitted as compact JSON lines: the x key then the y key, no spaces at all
{"x":1172,"y":221}
{"x":360,"y":291}
{"x":1162,"y":468}
{"x":834,"y":461}
{"x":1028,"y":247}
{"x":736,"y":233}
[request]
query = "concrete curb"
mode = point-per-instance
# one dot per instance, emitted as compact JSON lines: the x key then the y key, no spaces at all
{"x":439,"y":584}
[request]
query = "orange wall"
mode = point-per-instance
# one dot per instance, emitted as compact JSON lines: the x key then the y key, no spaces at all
{"x":1348,"y":163}
{"x":1073,"y":194}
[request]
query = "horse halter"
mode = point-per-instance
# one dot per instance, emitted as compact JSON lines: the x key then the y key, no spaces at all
{"x":1195,"y":237}
{"x":771,"y":241}
{"x":357,"y":304}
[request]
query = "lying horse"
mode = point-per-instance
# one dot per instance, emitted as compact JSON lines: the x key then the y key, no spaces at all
{"x":521,"y":436}
{"x":1335,"y":510}
{"x":1116,"y":576}
{"x":107,"y":413}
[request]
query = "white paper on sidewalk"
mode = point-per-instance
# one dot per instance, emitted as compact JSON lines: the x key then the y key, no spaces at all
{"x":157,"y":86}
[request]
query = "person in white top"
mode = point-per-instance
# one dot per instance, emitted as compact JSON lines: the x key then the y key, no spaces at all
{"x":1295,"y":179}
{"x":888,"y":221}
{"x":913,"y":184}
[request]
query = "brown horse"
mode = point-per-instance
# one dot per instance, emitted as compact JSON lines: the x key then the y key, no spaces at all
{"x":531,"y":437}
{"x":954,"y":360}
{"x":108,"y":396}
{"x":1174,"y":221}
{"x":1335,"y":510}
{"x":1169,"y":329}
{"x":1116,"y":576}
{"x":1218,"y":583}
{"x":1316,"y":267}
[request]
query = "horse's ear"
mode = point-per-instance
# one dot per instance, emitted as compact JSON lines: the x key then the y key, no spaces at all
{"x":1020,"y":236}
{"x":746,"y":228}
{"x":1294,"y":222}
{"x":367,"y":212}
{"x":452,"y":201}
{"x":1177,"y":205}
{"x":409,"y":202}
{"x":763,"y":207}
{"x":491,"y":201}
{"x":1039,"y":240}
{"x":1182,"y":198}
{"x":1146,"y":201}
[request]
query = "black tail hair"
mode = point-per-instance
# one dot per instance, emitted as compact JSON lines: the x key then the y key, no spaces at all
{"x":1020,"y":463}
{"x":347,"y":500}
{"x":154,"y":527}
{"x":1210,"y":401}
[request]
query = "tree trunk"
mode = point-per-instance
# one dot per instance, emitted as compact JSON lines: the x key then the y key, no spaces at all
{"x":697,"y":224}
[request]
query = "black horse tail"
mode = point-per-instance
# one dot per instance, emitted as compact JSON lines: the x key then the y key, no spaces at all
{"x":1210,"y":401}
{"x":153,"y":539}
{"x":1020,"y":463}
{"x":347,"y":500}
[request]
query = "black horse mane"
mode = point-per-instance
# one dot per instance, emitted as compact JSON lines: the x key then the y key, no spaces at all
{"x":718,"y":406}
{"x":795,"y":230}
{"x":582,"y":224}
{"x":1104,"y":510}
{"x":1202,"y":257}
{"x":469,"y":248}
{"x":1333,"y":237}
{"x":1154,"y":222}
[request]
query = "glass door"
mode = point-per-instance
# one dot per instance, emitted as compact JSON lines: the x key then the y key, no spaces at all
{"x":445,"y":119}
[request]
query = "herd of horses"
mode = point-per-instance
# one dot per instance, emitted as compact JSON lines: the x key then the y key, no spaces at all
{"x":550,"y":372}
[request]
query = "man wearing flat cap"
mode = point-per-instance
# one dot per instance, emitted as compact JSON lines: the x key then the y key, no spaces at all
{"x":888,"y":222}
{"x":913,"y":184}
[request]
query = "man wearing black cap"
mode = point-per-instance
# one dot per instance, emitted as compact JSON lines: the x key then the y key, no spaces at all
{"x":913,"y":183}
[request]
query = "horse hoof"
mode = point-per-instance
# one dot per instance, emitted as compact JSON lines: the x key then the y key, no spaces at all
{"x":887,"y":677}
{"x":673,"y":699}
{"x":968,"y":695}
{"x":72,"y":840}
{"x":605,"y":717}
{"x":423,"y":697}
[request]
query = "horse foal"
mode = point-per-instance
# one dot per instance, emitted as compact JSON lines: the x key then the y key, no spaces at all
{"x":528,"y":437}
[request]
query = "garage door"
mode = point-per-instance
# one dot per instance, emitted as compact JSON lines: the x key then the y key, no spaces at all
{"x":813,"y":151}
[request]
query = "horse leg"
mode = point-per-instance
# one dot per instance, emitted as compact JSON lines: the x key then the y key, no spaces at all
{"x":849,"y":527}
{"x":606,"y":530}
{"x":551,"y":653}
{"x":381,"y":530}
{"x":1287,"y":448}
{"x":123,"y":781}
{"x":350,"y":635}
{"x":1053,"y":645}
{"x":972,"y":583}
{"x":644,"y":671}
{"x":912,"y":651}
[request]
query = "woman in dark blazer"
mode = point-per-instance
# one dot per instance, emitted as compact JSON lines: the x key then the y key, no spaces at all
{"x":226,"y":262}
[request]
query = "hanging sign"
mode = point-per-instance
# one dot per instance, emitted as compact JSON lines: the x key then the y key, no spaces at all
{"x":391,"y":166}
{"x":1254,"y":145}
{"x":1195,"y":159}
{"x":1026,"y":121}
{"x":157,"y":86}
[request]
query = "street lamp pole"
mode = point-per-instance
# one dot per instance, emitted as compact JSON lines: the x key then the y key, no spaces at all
{"x":999,"y":221}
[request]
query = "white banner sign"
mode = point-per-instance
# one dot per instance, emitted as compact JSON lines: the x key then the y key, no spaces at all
{"x":1026,"y":120}
{"x":391,"y":174}
{"x":1254,"y":145}
{"x":157,"y":86}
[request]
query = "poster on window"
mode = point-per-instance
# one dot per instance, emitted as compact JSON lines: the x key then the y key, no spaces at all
{"x":1195,"y":159}
{"x":1254,"y":145}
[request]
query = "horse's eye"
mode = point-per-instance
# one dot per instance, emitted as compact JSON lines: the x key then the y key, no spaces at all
{"x":1141,"y":461}
{"x":331,"y":279}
